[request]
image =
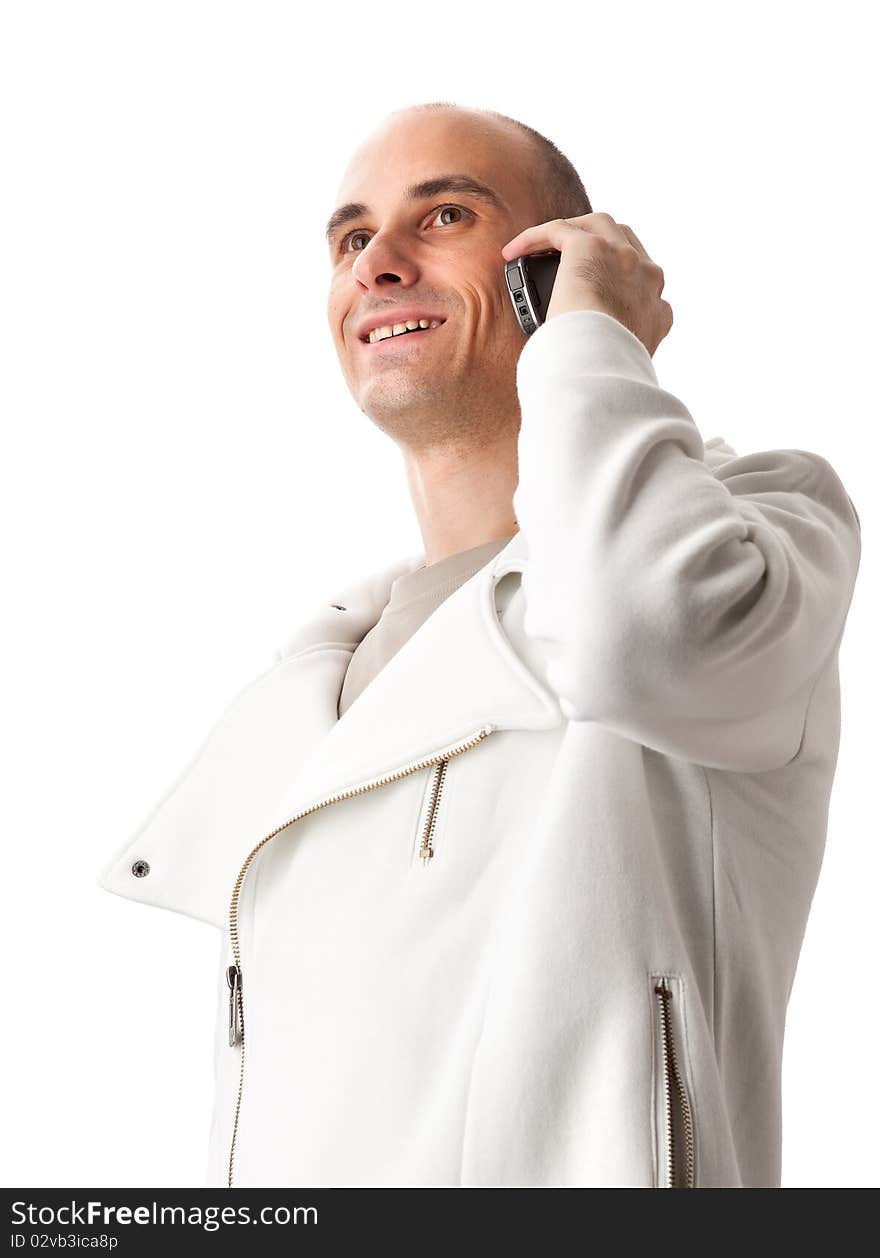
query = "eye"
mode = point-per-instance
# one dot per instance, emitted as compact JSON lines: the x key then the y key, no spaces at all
{"x":443,"y":209}
{"x":351,"y":236}
{"x":354,"y":235}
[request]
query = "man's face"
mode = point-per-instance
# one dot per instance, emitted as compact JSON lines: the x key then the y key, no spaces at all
{"x":436,"y":255}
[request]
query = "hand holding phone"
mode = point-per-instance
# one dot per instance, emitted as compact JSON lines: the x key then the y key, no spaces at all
{"x":602,"y":266}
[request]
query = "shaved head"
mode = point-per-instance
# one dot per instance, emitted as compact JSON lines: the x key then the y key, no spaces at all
{"x":561,"y":193}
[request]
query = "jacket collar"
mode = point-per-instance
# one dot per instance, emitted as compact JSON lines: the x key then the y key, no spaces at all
{"x":458,"y":673}
{"x":281,"y":748}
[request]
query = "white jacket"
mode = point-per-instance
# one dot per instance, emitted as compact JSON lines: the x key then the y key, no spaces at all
{"x":529,"y":913}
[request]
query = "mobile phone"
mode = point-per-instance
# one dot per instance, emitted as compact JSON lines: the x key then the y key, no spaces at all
{"x":530,"y":283}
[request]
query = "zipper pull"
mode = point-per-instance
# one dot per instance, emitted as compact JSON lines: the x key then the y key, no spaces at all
{"x":233,"y":979}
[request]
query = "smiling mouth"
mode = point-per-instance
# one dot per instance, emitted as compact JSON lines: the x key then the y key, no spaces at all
{"x":410,"y":334}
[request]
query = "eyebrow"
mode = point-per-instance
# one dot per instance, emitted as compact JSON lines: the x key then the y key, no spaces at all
{"x":463,"y":185}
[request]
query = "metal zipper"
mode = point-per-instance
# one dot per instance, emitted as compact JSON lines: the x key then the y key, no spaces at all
{"x":233,"y":979}
{"x":678,"y":1106}
{"x":233,"y":972}
{"x":426,"y":849}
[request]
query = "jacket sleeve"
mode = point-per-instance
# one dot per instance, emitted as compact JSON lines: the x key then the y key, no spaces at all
{"x":690,"y":610}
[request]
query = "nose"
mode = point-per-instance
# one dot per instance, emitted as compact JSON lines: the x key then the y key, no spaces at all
{"x":382,"y":263}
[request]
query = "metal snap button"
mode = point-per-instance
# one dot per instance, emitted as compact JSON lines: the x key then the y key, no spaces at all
{"x":140,"y":869}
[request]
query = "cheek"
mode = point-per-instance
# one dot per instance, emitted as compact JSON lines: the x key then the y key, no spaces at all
{"x":495,"y":322}
{"x":495,"y":290}
{"x":336,"y":310}
{"x":485,"y":299}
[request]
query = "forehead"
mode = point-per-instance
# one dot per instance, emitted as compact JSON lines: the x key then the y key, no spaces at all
{"x":413,"y":147}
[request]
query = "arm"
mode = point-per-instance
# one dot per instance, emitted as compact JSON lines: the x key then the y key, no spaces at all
{"x":689,"y":610}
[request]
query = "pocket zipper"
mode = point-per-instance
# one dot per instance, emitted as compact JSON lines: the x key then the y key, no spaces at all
{"x":676,"y":1110}
{"x":438,"y":777}
{"x":233,"y":972}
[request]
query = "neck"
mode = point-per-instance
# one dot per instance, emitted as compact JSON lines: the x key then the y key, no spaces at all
{"x":463,"y":497}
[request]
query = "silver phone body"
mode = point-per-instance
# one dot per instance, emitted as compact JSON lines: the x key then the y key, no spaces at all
{"x":530,"y":284}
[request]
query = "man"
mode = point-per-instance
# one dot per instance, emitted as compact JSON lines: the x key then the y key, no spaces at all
{"x":513,"y":847}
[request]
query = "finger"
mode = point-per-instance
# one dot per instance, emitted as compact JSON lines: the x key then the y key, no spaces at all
{"x":634,"y":240}
{"x":600,"y":224}
{"x":637,"y":245}
{"x":604,"y":225}
{"x":552,"y":235}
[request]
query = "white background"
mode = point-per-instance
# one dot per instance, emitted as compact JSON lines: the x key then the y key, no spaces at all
{"x":184,"y":471}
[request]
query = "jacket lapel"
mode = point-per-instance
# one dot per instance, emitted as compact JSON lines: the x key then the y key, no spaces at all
{"x":280,"y":748}
{"x":457,"y":673}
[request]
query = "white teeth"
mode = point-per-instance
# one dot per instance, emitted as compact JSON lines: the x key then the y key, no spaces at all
{"x":397,"y":329}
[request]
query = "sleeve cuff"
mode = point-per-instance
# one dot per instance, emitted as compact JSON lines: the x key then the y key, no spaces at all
{"x":597,"y":342}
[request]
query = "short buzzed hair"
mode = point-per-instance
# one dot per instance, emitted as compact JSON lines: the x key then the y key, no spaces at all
{"x":561,"y":191}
